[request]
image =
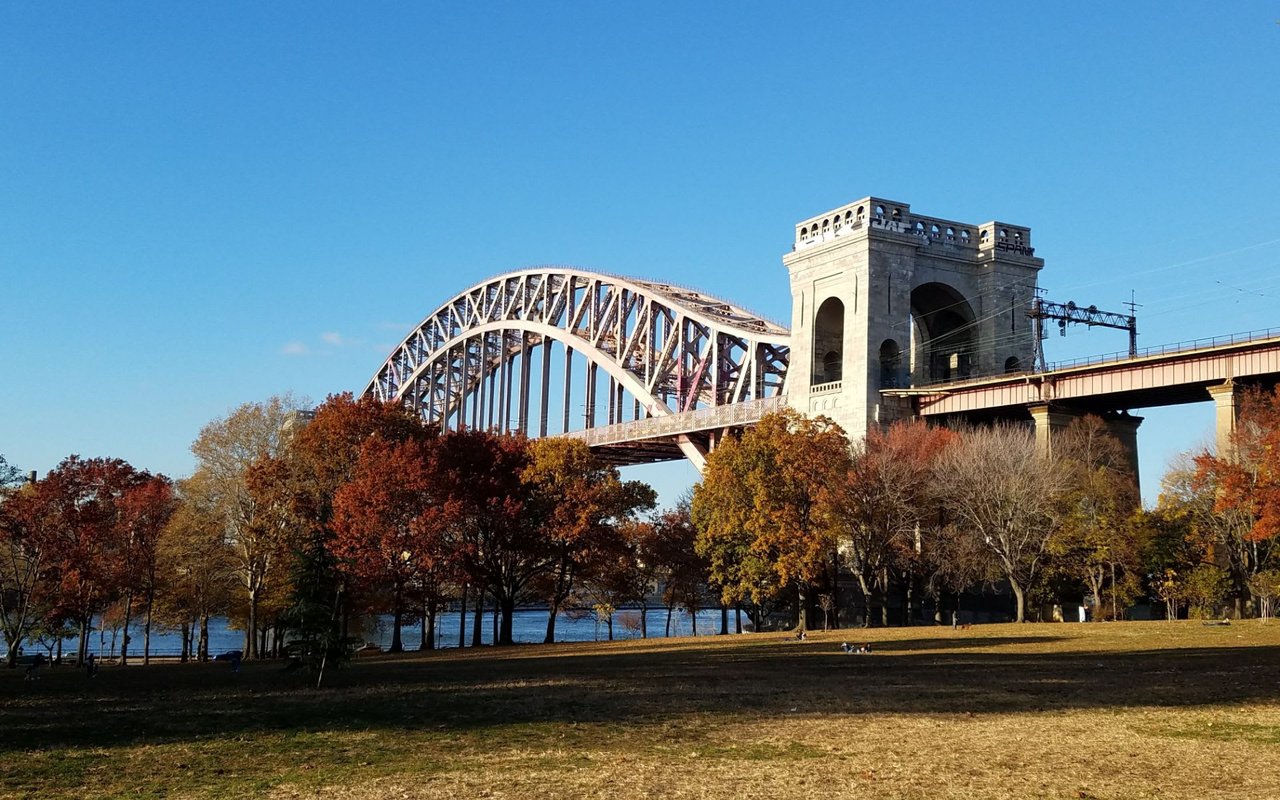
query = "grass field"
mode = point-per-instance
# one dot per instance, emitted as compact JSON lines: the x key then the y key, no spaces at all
{"x":1064,"y":711}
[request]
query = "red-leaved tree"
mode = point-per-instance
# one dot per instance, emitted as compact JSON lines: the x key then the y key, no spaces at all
{"x":389,"y":535}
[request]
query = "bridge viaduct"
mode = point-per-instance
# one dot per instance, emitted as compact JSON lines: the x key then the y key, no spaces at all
{"x":894,"y":315}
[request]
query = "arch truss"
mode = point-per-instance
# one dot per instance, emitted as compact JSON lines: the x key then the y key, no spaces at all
{"x":526,"y":350}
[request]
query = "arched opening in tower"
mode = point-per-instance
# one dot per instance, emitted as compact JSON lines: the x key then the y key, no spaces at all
{"x":891,"y":376}
{"x":828,"y":342}
{"x":943,"y":333}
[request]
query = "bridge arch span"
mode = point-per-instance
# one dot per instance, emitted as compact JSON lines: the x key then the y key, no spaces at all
{"x":629,"y":349}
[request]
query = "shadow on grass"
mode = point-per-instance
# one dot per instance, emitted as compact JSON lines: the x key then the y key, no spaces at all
{"x":480,"y":691}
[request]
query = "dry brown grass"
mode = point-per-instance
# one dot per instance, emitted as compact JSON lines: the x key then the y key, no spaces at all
{"x":1061,"y":711}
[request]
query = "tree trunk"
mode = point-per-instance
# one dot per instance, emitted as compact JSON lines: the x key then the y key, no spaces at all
{"x":462,"y":618}
{"x":251,"y":628}
{"x":552,"y":611}
{"x":422,"y":643}
{"x":1114,"y":611}
{"x":644,"y":619}
{"x":884,"y":598}
{"x":802,"y":606}
{"x":737,"y":613}
{"x":11,"y":654}
{"x":186,"y":642}
{"x":693,"y":620}
{"x":724,"y":619}
{"x":477,"y":618}
{"x":508,"y":619}
{"x":204,"y":637}
{"x":397,"y":618}
{"x":146,"y":632}
{"x":497,"y":622}
{"x":124,"y":643}
{"x":431,"y":626}
{"x":866,"y":600}
{"x":82,"y":647}
{"x":1095,"y":586}
{"x":609,"y":625}
{"x":668,"y":632}
{"x":908,"y":601}
{"x":1019,"y":600}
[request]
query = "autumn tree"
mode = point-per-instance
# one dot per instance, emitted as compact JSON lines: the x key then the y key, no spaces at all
{"x":954,"y":561}
{"x":485,"y":503}
{"x":321,"y":457}
{"x":762,"y":509}
{"x":1204,"y":589}
{"x":577,"y":502}
{"x":80,"y":503}
{"x":630,"y":573}
{"x":196,"y":567}
{"x":884,"y":503}
{"x":27,"y":579}
{"x":614,"y":576}
{"x":1265,"y":586}
{"x":1244,"y":483}
{"x":1181,"y":530}
{"x":388,"y":531}
{"x":1095,"y":541}
{"x":998,"y":488}
{"x":719,"y":509}
{"x":225,"y":451}
{"x":685,"y":569}
{"x":144,"y":511}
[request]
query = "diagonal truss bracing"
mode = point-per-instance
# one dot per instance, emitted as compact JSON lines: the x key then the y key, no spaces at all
{"x":473,"y":362}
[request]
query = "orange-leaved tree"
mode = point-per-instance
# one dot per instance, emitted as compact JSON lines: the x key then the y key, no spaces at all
{"x":577,"y":502}
{"x":1245,"y":485}
{"x":145,"y":510}
{"x":319,"y":458}
{"x":763,"y":507}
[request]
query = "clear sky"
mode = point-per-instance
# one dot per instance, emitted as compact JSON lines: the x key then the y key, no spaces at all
{"x":205,"y":204}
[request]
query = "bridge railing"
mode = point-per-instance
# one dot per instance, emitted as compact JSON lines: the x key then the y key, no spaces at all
{"x":1167,"y":349}
{"x":1121,"y":355}
{"x":701,"y":419}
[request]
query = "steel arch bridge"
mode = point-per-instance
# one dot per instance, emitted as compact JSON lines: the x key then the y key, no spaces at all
{"x":661,"y":371}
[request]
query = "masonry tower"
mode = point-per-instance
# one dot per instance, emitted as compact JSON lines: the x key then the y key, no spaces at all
{"x":885,"y":298}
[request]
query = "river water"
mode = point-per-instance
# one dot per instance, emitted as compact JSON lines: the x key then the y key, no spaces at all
{"x":529,"y":626}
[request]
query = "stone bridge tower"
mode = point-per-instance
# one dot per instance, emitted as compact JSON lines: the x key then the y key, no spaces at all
{"x":885,"y":298}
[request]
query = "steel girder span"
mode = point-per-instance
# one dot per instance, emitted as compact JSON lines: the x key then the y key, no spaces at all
{"x":653,"y":371}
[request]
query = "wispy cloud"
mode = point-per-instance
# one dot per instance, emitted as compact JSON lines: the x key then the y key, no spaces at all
{"x":325,"y":344}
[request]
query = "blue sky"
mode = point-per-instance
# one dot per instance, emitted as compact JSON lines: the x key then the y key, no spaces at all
{"x":202,"y":205}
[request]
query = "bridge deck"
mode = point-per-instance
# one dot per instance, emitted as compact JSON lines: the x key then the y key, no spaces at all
{"x":1160,"y":378}
{"x":654,"y":439}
